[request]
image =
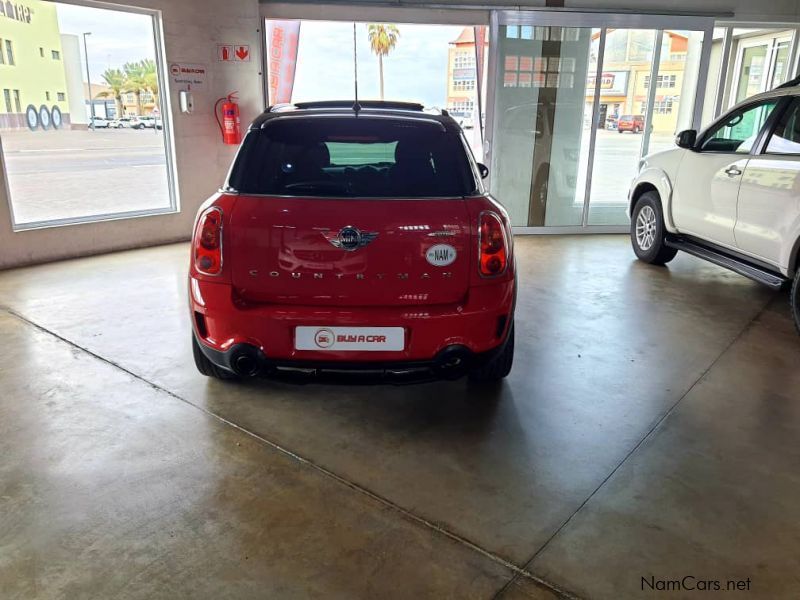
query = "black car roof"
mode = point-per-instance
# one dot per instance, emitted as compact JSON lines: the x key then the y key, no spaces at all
{"x":344,"y":108}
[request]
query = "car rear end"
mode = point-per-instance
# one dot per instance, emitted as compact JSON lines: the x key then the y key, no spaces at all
{"x":351,"y":241}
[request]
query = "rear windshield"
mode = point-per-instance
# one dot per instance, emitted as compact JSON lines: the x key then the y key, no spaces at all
{"x":346,"y":156}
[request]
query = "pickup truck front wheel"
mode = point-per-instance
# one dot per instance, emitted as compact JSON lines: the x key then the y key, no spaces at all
{"x":648,"y":234}
{"x":795,"y":300}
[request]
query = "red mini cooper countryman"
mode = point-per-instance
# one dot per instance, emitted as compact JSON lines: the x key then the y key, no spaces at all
{"x":353,"y":239}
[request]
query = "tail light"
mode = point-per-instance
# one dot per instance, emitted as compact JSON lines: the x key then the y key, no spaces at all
{"x":208,"y":242}
{"x":492,"y":245}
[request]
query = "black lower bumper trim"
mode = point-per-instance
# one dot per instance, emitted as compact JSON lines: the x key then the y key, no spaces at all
{"x":452,"y":362}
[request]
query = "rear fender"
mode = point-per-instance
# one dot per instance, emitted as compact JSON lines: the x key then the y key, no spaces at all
{"x":790,"y":260}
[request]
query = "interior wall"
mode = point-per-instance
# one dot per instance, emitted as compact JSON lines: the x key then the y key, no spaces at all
{"x":192,"y":29}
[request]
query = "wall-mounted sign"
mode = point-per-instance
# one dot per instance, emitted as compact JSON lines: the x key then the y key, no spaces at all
{"x":191,"y":75}
{"x":612,"y":83}
{"x":233,"y":53}
{"x":18,"y":12}
{"x":224,"y":53}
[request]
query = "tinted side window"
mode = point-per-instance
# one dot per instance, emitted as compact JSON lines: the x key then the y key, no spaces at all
{"x":738,"y":132}
{"x":353,"y":157}
{"x":786,"y":137}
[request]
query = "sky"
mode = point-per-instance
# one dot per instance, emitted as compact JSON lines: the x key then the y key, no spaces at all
{"x":416,"y":70}
{"x":117,"y":37}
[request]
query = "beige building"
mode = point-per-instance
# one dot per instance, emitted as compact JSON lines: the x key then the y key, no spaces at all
{"x":625,"y":84}
{"x":462,"y":75}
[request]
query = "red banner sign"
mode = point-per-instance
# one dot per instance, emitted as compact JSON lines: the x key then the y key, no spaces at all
{"x":480,"y":48}
{"x":283,"y":38}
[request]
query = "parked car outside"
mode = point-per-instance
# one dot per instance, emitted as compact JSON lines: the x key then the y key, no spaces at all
{"x":99,"y":123}
{"x":466,"y":122}
{"x":120,"y":123}
{"x":728,"y":194}
{"x":632,"y":123}
{"x":353,"y":239}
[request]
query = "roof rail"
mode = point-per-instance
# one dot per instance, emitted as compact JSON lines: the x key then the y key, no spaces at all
{"x":415,"y":106}
{"x":791,"y":83}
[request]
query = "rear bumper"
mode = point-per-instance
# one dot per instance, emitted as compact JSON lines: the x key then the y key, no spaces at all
{"x":451,"y":363}
{"x":471,"y":331}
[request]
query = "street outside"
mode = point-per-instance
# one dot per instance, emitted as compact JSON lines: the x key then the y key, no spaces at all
{"x":71,"y":174}
{"x":617,"y":162}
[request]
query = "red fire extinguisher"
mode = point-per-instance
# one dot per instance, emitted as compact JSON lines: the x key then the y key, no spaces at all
{"x":230,"y":125}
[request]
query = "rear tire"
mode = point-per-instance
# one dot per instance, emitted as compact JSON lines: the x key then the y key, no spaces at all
{"x":499,"y":367}
{"x":206,"y":367}
{"x":648,"y":234}
{"x":794,"y":299}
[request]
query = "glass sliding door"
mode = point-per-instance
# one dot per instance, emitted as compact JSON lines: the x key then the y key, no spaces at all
{"x":571,"y":110}
{"x":662,"y":68}
{"x":627,"y":68}
{"x":543,"y":128}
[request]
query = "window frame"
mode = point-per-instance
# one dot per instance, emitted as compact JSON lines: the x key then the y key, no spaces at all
{"x":789,"y":102}
{"x":173,"y":191}
{"x":8,"y":46}
{"x":763,"y":133}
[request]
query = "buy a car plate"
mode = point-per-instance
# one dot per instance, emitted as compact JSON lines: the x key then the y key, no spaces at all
{"x":349,"y":338}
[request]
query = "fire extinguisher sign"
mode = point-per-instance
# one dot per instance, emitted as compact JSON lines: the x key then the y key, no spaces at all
{"x":233,"y":53}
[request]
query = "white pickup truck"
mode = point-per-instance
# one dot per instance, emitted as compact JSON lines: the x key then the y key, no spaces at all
{"x":729,"y":194}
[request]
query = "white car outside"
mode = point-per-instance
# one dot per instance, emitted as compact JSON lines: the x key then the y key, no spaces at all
{"x":730,"y":194}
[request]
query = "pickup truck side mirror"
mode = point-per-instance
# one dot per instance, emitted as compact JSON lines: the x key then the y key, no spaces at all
{"x":686,"y":139}
{"x":483,"y":170}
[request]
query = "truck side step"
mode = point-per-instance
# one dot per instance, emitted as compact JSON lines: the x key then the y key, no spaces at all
{"x":738,"y":265}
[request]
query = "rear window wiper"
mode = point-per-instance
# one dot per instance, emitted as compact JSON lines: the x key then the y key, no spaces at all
{"x":319,"y":186}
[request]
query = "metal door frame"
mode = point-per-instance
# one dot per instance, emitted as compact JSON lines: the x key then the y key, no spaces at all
{"x":604,"y":22}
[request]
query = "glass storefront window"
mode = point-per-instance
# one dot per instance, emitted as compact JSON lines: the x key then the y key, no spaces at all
{"x":553,"y":137}
{"x":76,"y":151}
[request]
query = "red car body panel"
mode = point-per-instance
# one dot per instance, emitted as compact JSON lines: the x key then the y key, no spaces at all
{"x":256,"y":300}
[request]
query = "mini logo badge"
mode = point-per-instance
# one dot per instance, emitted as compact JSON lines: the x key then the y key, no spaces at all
{"x":441,"y":255}
{"x":324,"y":338}
{"x":350,"y":238}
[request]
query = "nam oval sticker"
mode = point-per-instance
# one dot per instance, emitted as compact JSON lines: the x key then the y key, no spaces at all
{"x":440,"y":255}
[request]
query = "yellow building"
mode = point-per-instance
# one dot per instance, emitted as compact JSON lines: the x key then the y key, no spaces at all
{"x":131,"y":108}
{"x":33,"y":89}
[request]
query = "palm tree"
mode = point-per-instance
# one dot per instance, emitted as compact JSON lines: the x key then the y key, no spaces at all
{"x":115,"y":80}
{"x":150,"y":76}
{"x":135,"y":81}
{"x":382,"y":40}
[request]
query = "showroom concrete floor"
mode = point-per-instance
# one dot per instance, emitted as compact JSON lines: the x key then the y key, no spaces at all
{"x":649,"y":429}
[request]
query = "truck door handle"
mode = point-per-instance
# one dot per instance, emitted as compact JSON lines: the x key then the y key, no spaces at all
{"x":733,"y":171}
